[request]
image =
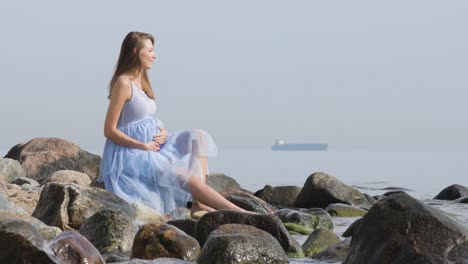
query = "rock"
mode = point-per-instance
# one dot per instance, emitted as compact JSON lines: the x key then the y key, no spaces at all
{"x":318,"y":241}
{"x":335,"y":253}
{"x":321,"y":190}
{"x":352,"y":228}
{"x":68,"y":176}
{"x":69,"y":205}
{"x":401,"y":229}
{"x":198,"y":214}
{"x":109,"y":230}
{"x":5,"y":203}
{"x":295,"y":229}
{"x":462,"y":200}
{"x":146,"y":214}
{"x":282,"y":196}
{"x":164,"y":241}
{"x":21,"y":243}
{"x":186,"y":225}
{"x":25,"y":199}
{"x":268,"y":223}
{"x":344,"y":210}
{"x":311,"y":219}
{"x":235,"y":243}
{"x":46,"y":232}
{"x":452,"y":192}
{"x":25,"y":180}
{"x":221,"y":182}
{"x":40,"y":157}
{"x":248,"y":201}
{"x":10,"y":170}
{"x":71,"y":247}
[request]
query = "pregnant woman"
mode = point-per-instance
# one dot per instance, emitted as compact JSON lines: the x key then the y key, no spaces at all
{"x":141,"y":162}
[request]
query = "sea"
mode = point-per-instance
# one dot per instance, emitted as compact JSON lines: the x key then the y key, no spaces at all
{"x":421,"y":174}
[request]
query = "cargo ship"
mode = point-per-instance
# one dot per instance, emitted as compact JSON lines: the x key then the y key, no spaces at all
{"x":281,"y":145}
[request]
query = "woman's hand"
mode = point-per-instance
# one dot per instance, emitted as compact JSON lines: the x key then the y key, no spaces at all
{"x":161,"y":137}
{"x":152,"y":146}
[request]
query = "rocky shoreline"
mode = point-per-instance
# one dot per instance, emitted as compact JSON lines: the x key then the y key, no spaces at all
{"x":50,"y":213}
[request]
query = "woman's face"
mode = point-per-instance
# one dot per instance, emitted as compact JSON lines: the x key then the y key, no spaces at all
{"x":147,"y":55}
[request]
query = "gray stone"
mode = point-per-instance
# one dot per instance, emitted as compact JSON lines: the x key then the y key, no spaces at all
{"x":321,"y":190}
{"x":221,"y":182}
{"x":248,"y":201}
{"x":452,"y":192}
{"x":335,"y":253}
{"x":10,"y":170}
{"x":401,"y":229}
{"x":46,"y":232}
{"x":109,"y":230}
{"x":318,"y":241}
{"x":344,"y":210}
{"x":311,"y":219}
{"x":282,"y":196}
{"x":235,"y":243}
{"x":68,"y":176}
{"x":25,"y":180}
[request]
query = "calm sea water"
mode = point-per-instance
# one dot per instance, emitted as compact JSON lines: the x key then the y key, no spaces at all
{"x":425,"y":174}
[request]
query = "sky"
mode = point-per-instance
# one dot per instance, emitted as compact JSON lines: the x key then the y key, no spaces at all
{"x":380,"y":75}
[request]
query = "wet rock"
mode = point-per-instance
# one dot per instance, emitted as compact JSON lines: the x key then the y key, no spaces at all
{"x":71,"y":247}
{"x":40,"y":157}
{"x":21,"y":243}
{"x":109,"y":230}
{"x":282,"y":196}
{"x":68,"y":176}
{"x":401,"y":229}
{"x":248,"y":201}
{"x":10,"y":170}
{"x":295,"y":229}
{"x":26,"y":199}
{"x":310,"y":219}
{"x":69,"y":205}
{"x":462,"y":200}
{"x":268,"y":223}
{"x":321,"y":190}
{"x":452,"y":192}
{"x":235,"y":243}
{"x":186,"y":225}
{"x":335,"y":253}
{"x":344,"y":210}
{"x":221,"y":182}
{"x":318,"y":241}
{"x":164,"y":241}
{"x":46,"y":232}
{"x":352,"y":228}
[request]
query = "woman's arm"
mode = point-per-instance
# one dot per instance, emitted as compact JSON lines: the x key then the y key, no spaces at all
{"x":121,"y":93}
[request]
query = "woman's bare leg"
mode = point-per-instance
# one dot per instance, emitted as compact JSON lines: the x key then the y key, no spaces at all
{"x":196,"y":205}
{"x":206,"y":195}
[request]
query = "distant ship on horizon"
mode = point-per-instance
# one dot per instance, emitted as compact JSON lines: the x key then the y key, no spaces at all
{"x":282,"y":145}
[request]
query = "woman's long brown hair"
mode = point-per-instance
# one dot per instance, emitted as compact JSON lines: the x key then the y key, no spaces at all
{"x":129,"y":61}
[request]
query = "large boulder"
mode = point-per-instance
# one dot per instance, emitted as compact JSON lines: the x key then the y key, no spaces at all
{"x":71,"y":247}
{"x":154,"y":261}
{"x":318,"y":241}
{"x":321,"y":190}
{"x":281,"y":196}
{"x":164,"y":241}
{"x":221,"y":182}
{"x":109,"y":231}
{"x":268,"y":223}
{"x":40,"y":157}
{"x":401,"y":229}
{"x":69,"y":205}
{"x":20,"y":242}
{"x":235,"y":243}
{"x":452,"y":192}
{"x":68,"y":176}
{"x":5,"y":203}
{"x":10,"y":170}
{"x":248,"y":201}
{"x":186,"y":225}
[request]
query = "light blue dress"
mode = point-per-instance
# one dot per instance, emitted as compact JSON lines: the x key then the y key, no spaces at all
{"x":155,"y":178}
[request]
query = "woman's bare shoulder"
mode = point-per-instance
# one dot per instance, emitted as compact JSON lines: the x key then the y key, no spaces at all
{"x":122,"y":86}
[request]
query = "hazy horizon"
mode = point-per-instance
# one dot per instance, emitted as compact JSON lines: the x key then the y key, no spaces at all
{"x":356,"y":75}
